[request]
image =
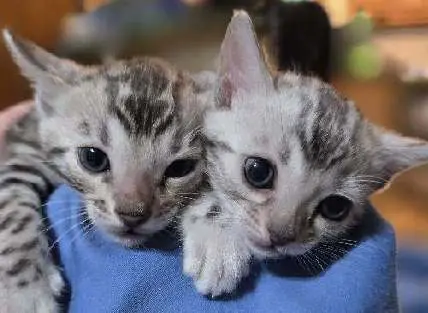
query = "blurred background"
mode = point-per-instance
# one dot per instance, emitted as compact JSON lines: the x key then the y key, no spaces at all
{"x":374,"y":51}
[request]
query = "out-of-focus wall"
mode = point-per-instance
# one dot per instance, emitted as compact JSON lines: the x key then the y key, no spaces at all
{"x":384,"y":12}
{"x":89,"y":5}
{"x":38,"y":20}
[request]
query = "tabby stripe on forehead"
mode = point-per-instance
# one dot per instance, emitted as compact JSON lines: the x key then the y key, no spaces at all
{"x":322,"y":131}
{"x":148,"y":116}
{"x":112,"y":90}
{"x":164,"y":124}
{"x":217,"y":144}
{"x":123,"y":119}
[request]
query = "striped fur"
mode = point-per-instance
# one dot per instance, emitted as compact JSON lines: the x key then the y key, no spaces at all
{"x":142,"y":113}
{"x":319,"y":145}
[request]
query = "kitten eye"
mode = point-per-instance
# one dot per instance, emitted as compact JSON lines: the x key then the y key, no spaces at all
{"x":93,"y":159}
{"x":335,"y":207}
{"x":180,"y":168}
{"x":259,"y":172}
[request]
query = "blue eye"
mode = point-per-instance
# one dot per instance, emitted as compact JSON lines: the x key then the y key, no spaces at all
{"x":259,"y":172}
{"x":93,"y":159}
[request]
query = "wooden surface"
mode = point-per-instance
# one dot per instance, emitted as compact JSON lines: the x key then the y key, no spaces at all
{"x":38,"y":20}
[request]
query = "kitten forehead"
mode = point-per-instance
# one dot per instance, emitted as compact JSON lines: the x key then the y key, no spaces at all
{"x":302,"y":113}
{"x":141,"y":96}
{"x":146,"y":96}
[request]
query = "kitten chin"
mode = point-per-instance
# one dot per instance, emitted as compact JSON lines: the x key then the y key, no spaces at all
{"x":266,"y":250}
{"x":130,"y":239}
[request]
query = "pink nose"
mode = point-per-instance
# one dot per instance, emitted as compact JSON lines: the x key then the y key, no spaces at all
{"x":133,"y":190}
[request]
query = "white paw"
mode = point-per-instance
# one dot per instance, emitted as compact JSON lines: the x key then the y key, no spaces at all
{"x":30,"y":296}
{"x":216,"y":263}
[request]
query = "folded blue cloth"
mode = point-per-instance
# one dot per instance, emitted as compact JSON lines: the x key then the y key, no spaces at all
{"x":105,"y":277}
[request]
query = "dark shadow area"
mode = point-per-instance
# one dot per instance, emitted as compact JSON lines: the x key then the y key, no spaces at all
{"x":299,"y":36}
{"x":166,"y":240}
{"x":320,"y":258}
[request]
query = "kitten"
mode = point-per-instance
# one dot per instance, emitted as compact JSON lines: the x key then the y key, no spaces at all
{"x":291,"y":164}
{"x":126,"y":135}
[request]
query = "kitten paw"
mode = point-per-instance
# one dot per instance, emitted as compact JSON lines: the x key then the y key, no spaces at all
{"x":216,"y":263}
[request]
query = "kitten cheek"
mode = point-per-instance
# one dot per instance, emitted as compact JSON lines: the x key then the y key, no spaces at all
{"x":258,"y":197}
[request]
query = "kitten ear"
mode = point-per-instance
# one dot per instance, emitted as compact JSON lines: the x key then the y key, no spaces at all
{"x":242,"y":65}
{"x":397,"y":153}
{"x":38,"y":65}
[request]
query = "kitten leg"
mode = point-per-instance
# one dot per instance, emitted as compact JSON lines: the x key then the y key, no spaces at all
{"x":29,"y":281}
{"x":214,"y":256}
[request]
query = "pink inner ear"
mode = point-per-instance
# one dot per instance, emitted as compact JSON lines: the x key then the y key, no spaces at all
{"x":224,"y":96}
{"x":241,"y":60}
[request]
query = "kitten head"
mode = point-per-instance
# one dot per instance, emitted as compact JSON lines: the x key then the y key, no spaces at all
{"x":126,"y":135}
{"x":292,"y":163}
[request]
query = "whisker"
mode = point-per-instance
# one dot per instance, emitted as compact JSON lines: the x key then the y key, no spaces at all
{"x":83,"y":233}
{"x":50,"y":202}
{"x":63,"y":235}
{"x":309,"y":261}
{"x":61,"y":221}
{"x":372,"y":177}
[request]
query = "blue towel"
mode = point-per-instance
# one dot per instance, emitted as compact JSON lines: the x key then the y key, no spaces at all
{"x":105,"y":277}
{"x":413,"y":278}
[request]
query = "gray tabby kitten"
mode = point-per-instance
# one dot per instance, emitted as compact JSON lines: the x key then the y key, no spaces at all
{"x":291,"y":163}
{"x":125,"y":135}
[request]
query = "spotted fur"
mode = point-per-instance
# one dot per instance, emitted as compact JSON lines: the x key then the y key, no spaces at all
{"x":142,"y":113}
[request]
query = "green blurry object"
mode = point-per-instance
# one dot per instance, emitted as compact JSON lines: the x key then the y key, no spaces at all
{"x":364,"y":62}
{"x":361,"y":27}
{"x":361,"y":60}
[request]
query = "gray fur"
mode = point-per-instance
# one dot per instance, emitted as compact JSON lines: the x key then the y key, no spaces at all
{"x":142,"y":113}
{"x":319,"y":145}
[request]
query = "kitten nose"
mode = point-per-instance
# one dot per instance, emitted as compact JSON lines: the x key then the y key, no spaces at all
{"x":279,"y":239}
{"x":134,"y":219}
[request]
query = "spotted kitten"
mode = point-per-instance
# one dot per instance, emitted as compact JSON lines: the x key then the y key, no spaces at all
{"x":125,"y":135}
{"x":291,"y":164}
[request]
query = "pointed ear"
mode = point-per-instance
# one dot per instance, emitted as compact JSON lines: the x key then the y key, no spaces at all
{"x":397,"y":153}
{"x":38,"y":65}
{"x":242,"y":65}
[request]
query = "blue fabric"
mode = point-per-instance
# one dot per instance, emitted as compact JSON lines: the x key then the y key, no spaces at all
{"x":106,"y":277}
{"x":413,"y":278}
